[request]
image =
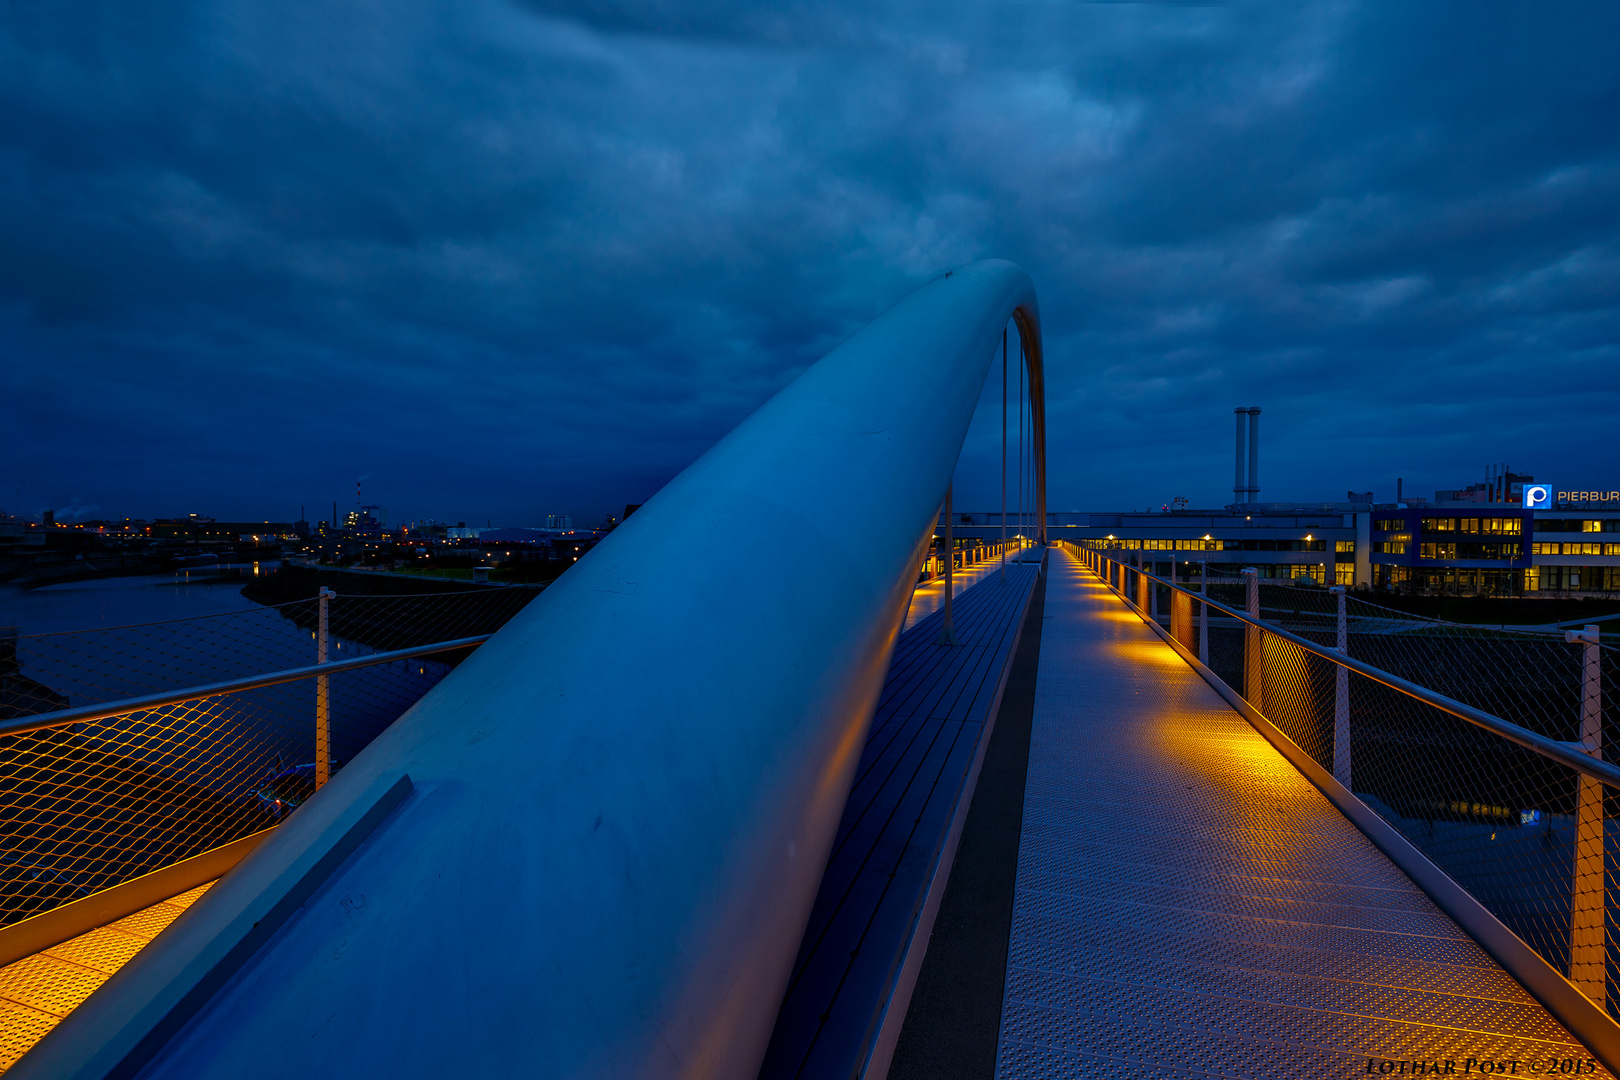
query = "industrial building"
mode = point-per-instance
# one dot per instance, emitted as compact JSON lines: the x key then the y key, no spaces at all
{"x":1506,"y":536}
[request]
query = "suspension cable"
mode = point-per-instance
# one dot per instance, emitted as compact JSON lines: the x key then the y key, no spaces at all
{"x":1020,"y":455}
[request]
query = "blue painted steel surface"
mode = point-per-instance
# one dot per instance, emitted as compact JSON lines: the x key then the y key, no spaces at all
{"x":625,"y":799}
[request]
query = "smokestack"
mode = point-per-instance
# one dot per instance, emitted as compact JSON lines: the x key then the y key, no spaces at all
{"x":1254,"y":453}
{"x":1240,"y":490}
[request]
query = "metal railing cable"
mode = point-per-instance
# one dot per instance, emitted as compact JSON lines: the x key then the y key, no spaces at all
{"x":126,"y":706}
{"x":128,"y":749}
{"x":1483,"y":748}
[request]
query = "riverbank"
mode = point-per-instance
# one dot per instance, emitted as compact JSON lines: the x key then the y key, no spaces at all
{"x":123,"y":601}
{"x":301,"y":582}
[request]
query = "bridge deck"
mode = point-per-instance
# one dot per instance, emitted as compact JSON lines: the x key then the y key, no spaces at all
{"x":1187,"y":903}
{"x":895,"y":840}
{"x":37,"y":991}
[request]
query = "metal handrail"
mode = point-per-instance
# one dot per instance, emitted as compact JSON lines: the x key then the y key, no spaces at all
{"x":1564,"y":753}
{"x":147,"y":702}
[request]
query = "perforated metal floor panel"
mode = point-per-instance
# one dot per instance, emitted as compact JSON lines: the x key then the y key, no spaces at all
{"x":37,"y":991}
{"x":1188,"y":904}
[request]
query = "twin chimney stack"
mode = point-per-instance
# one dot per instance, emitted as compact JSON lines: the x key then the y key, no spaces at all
{"x":1247,"y":491}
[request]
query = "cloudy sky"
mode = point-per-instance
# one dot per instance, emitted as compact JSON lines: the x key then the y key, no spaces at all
{"x":512,"y":257}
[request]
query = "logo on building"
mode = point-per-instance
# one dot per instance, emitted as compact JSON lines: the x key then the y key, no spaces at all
{"x":1537,"y":497}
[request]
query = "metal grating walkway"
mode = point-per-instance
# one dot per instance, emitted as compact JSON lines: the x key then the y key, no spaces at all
{"x":37,"y":991}
{"x":1188,"y":904}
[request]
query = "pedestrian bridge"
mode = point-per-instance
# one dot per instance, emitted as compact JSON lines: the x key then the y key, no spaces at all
{"x":1051,"y":814}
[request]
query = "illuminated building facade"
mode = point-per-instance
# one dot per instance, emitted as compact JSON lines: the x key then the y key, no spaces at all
{"x":1463,"y":547}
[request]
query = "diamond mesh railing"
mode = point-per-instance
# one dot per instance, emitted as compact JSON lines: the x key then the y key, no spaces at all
{"x":128,"y":749}
{"x":1483,"y":747}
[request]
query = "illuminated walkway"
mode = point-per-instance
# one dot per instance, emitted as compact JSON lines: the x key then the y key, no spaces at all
{"x":930,"y":595}
{"x":1188,"y":903}
{"x":38,"y":991}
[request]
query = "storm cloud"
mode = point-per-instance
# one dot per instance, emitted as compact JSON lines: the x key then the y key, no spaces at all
{"x":519,"y":258}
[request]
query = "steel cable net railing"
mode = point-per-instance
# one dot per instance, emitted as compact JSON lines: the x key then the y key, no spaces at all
{"x":89,"y":805}
{"x":1533,"y":839}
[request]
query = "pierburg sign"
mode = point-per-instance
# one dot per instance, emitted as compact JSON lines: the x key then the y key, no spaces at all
{"x":1545,"y":496}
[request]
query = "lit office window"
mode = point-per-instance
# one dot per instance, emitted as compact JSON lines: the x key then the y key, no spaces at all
{"x":1344,"y":574}
{"x":1545,"y":548}
{"x":1490,"y":526}
{"x":1343,"y":546}
{"x":1439,"y":524}
{"x":1592,"y":526}
{"x":1389,"y":524}
{"x":1437,"y":551}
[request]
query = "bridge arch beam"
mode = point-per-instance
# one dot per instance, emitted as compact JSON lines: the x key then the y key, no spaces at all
{"x":620,"y":806}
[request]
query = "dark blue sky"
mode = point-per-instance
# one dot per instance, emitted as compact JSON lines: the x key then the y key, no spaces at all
{"x":507,"y":259}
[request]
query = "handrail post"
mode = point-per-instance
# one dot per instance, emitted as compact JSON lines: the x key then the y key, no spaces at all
{"x":1141,"y":584}
{"x":1341,"y":696}
{"x":1152,"y":604}
{"x":947,"y":632}
{"x":1588,"y":948}
{"x":1203,"y":612}
{"x":323,"y":696}
{"x":1253,"y":642}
